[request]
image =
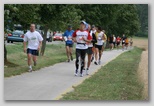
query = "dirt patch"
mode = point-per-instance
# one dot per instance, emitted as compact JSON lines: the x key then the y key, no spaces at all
{"x":142,"y":43}
{"x":143,"y":65}
{"x":143,"y":73}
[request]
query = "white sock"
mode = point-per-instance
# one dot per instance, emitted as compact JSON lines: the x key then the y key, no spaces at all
{"x":30,"y":67}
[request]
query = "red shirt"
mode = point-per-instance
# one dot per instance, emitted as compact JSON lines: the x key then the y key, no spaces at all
{"x":118,"y":39}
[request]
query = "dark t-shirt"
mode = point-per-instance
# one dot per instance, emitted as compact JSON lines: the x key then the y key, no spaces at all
{"x":111,"y":39}
{"x":123,"y":39}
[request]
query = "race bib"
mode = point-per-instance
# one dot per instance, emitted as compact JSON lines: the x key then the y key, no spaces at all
{"x":69,"y":37}
{"x":99,"y":38}
{"x":80,"y":38}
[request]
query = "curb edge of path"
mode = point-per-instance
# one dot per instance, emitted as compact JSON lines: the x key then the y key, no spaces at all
{"x":78,"y":83}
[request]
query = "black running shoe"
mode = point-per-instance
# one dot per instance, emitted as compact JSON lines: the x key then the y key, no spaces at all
{"x":68,"y":60}
{"x":92,"y":59}
{"x":95,"y":63}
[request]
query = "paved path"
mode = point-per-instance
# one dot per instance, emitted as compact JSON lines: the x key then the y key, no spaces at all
{"x":51,"y":82}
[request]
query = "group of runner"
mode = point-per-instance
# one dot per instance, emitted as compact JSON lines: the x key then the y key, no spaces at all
{"x":90,"y":41}
{"x":115,"y":42}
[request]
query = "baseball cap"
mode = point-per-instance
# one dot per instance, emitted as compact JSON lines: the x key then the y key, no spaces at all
{"x":93,"y":26}
{"x":69,"y":26}
{"x":83,"y":22}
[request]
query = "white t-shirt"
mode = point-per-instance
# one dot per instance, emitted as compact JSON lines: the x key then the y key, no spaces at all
{"x":114,"y":39}
{"x":33,"y":39}
{"x":100,"y":41}
{"x":81,"y":44}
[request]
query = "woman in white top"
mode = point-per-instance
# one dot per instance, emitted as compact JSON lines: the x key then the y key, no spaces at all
{"x":114,"y":40}
{"x":100,"y":37}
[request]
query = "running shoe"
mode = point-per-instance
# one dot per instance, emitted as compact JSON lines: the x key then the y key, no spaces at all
{"x":76,"y":72}
{"x":30,"y":70}
{"x":92,"y":58}
{"x":95,"y":63}
{"x":81,"y":75}
{"x":68,"y":60}
{"x":87,"y":71}
{"x":99,"y":62}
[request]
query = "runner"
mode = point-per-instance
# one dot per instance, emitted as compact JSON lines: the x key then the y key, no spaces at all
{"x":100,"y":37}
{"x":131,"y":42}
{"x":118,"y":42}
{"x":69,"y":43}
{"x":123,"y":41}
{"x":94,"y":40}
{"x":126,"y":42}
{"x":111,"y":42}
{"x":105,"y":40}
{"x":114,"y":41}
{"x":81,"y":37}
{"x":89,"y":52}
{"x":34,"y":40}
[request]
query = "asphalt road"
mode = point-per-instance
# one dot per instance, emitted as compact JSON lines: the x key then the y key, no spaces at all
{"x":51,"y":82}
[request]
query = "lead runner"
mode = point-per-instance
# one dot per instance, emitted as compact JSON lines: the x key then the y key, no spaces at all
{"x":81,"y":37}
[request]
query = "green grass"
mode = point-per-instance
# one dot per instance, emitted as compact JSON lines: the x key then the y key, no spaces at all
{"x":136,"y":37}
{"x":115,"y":81}
{"x":53,"y":54}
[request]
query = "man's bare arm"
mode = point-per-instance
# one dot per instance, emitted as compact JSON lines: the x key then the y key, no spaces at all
{"x":24,"y":43}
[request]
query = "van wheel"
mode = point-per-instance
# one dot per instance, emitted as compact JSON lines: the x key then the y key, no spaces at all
{"x":11,"y":41}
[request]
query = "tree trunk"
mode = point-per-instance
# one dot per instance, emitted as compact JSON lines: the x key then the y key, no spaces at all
{"x":44,"y":41}
{"x":5,"y":54}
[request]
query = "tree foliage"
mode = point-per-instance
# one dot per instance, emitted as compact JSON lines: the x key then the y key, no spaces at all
{"x":116,"y":19}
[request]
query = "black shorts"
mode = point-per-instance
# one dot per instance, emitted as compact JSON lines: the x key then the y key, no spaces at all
{"x":123,"y":43}
{"x":69,"y":45}
{"x":33,"y":52}
{"x":89,"y":50}
{"x":126,"y":43}
{"x":99,"y":47}
{"x":110,"y":42}
{"x":118,"y":43}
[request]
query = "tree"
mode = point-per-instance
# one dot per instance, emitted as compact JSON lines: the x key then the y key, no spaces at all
{"x":9,"y":14}
{"x":142,"y":10}
{"x":57,"y":17}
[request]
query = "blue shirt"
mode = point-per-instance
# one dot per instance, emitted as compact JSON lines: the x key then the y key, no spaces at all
{"x":69,"y":35}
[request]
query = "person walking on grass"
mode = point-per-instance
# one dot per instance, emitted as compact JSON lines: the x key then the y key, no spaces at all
{"x":98,"y":51}
{"x":81,"y":37}
{"x":118,"y":42}
{"x":34,"y":40}
{"x":69,"y":43}
{"x":105,"y":40}
{"x":123,"y":41}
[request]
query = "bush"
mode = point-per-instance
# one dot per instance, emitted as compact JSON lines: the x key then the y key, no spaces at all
{"x":142,"y":34}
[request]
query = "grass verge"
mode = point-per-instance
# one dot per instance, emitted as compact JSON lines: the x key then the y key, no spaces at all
{"x":53,"y":54}
{"x":115,"y":81}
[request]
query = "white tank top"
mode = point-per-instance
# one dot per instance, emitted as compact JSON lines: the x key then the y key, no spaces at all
{"x":99,"y":37}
